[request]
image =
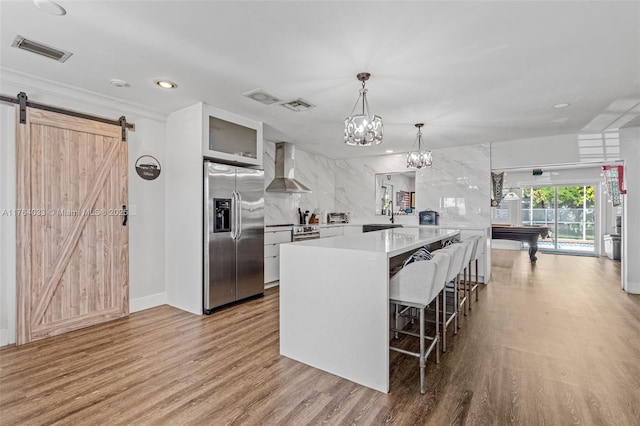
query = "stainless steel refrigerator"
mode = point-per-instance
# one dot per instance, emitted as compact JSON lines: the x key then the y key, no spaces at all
{"x":234,"y":234}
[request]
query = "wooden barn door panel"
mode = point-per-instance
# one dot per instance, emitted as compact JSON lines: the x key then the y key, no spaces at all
{"x":73,"y":248}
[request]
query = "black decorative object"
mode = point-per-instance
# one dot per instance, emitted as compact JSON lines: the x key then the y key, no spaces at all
{"x":497,"y":180}
{"x":147,"y":167}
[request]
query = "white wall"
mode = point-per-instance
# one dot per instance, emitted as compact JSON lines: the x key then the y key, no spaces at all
{"x":146,"y":198}
{"x":7,"y":226}
{"x":630,"y":152}
{"x":184,"y":207}
{"x":559,"y":149}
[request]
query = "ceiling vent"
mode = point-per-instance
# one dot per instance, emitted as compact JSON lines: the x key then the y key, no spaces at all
{"x":41,"y":49}
{"x":261,"y":96}
{"x":298,"y":105}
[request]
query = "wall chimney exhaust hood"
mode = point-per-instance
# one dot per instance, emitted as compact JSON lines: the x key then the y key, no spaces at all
{"x":284,"y":180}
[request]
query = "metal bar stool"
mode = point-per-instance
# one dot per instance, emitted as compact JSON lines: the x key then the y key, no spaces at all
{"x":464,"y":300}
{"x":456,"y":252}
{"x":417,"y":285}
{"x":472,"y":246}
{"x":475,"y":256}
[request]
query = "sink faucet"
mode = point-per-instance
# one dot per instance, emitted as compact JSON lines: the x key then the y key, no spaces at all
{"x":391,"y":218}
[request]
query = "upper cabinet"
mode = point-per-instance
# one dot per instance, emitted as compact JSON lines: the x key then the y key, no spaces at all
{"x":230,"y":138}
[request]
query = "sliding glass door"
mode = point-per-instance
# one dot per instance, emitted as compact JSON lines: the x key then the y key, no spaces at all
{"x":568,"y":211}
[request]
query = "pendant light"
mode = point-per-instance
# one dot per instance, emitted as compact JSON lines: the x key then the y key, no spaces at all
{"x":366,"y":128}
{"x":511,"y":196}
{"x":419,"y":159}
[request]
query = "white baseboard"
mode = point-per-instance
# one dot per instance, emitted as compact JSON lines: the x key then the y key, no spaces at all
{"x":271,"y":284}
{"x":146,"y":302}
{"x":633,"y":287}
{"x":4,"y":337}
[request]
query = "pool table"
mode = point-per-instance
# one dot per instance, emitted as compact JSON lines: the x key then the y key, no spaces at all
{"x":528,"y":234}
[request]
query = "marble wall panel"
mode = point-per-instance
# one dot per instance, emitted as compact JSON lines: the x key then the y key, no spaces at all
{"x":457,"y":186}
{"x":314,"y":171}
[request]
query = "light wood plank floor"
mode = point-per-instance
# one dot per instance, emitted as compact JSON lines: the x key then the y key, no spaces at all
{"x":557,"y":343}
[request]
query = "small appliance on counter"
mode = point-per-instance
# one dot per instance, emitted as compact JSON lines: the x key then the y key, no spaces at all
{"x":337,"y":218}
{"x":429,"y":217}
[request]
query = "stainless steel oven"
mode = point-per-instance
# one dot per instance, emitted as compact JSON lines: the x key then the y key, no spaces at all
{"x":303,"y":233}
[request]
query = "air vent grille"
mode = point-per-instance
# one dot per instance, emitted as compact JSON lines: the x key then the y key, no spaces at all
{"x":41,"y":49}
{"x":298,"y":105}
{"x":262,"y":96}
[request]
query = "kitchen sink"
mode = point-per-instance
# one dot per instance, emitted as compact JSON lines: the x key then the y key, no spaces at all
{"x":379,"y":226}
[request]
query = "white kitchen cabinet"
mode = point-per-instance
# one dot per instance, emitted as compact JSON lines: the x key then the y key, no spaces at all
{"x":271,"y":269}
{"x":332,"y":231}
{"x":187,"y":144}
{"x":352,"y":229}
{"x":272,"y":241}
{"x":231,"y":138}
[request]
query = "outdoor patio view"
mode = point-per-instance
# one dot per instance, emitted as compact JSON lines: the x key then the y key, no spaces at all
{"x":568,"y":211}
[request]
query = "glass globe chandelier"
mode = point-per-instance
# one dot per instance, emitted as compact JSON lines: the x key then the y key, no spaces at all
{"x":419,"y":159}
{"x":366,"y":128}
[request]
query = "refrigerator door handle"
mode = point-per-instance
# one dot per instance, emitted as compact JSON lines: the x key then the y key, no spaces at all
{"x":239,"y":214}
{"x":234,"y":213}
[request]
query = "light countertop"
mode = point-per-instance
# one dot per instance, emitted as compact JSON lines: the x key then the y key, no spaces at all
{"x":390,"y":241}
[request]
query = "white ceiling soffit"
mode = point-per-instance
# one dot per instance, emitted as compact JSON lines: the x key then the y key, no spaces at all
{"x":473,"y":72}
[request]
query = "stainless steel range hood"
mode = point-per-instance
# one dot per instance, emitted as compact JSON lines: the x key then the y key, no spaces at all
{"x":284,"y":180}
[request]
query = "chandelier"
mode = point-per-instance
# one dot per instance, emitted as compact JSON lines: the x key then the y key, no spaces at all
{"x":419,"y":159}
{"x":366,"y":128}
{"x":511,"y":196}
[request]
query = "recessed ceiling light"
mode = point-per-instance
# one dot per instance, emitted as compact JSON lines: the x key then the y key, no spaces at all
{"x":561,"y":105}
{"x":50,"y":7}
{"x":165,"y":84}
{"x":389,"y":151}
{"x":119,"y":83}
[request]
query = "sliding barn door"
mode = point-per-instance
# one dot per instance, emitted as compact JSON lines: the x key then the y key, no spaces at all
{"x":72,"y":238}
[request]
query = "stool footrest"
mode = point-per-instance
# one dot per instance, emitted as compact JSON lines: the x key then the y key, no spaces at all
{"x":416,"y":354}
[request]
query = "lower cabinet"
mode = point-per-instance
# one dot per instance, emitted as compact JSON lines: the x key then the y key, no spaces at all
{"x":333,"y":231}
{"x":272,"y":241}
{"x":271,"y":269}
{"x":352,"y":229}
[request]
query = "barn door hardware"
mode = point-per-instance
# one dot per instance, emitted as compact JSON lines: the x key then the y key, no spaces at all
{"x":22,"y":100}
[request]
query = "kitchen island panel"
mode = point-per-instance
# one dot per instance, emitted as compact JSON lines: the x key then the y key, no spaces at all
{"x":334,"y":300}
{"x":334,"y":311}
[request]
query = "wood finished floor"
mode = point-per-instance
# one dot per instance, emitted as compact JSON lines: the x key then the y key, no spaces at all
{"x":557,"y":343}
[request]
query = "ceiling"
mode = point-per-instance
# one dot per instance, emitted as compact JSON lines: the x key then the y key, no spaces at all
{"x":473,"y":72}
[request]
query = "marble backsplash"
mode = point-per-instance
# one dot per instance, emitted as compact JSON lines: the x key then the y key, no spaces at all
{"x":314,"y":171}
{"x":457,"y":186}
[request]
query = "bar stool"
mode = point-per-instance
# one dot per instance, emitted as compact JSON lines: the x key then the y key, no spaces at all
{"x":416,"y":286}
{"x":456,"y":252}
{"x":472,"y":246}
{"x":475,"y":255}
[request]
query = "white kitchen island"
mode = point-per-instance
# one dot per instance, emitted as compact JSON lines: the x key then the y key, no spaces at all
{"x":334,"y":300}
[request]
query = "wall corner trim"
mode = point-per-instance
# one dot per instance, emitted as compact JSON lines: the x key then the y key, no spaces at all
{"x":146,"y":302}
